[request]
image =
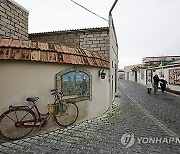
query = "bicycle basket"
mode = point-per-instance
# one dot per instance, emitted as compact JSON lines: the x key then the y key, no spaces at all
{"x":53,"y":109}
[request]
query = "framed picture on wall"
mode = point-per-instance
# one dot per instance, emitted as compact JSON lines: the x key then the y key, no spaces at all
{"x":174,"y":76}
{"x":75,"y":84}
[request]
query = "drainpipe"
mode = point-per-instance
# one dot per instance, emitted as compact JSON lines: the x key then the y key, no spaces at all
{"x":110,"y":58}
{"x":112,"y":7}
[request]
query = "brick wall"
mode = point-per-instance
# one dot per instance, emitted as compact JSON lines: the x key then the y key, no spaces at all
{"x":13,"y":20}
{"x":95,"y":39}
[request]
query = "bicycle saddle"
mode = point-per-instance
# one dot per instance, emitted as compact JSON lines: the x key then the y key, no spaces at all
{"x":32,"y":99}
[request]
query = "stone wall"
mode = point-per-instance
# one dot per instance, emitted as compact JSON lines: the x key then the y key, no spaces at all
{"x":95,"y":39}
{"x":13,"y":20}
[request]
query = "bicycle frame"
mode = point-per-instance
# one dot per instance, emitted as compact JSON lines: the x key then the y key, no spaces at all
{"x":40,"y":119}
{"x":27,"y":117}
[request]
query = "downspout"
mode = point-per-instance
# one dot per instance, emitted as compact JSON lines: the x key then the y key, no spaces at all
{"x":112,"y":7}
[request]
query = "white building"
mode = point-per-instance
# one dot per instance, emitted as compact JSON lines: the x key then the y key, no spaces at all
{"x":142,"y":74}
{"x":32,"y":68}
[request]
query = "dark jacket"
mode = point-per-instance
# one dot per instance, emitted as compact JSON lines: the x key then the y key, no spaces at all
{"x":164,"y":82}
{"x":156,"y":80}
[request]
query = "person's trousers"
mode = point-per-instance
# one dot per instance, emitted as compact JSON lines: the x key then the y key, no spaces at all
{"x":155,"y":88}
{"x":149,"y":90}
{"x":163,"y":87}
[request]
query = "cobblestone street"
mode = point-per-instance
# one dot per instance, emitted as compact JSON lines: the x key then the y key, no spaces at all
{"x":137,"y":113}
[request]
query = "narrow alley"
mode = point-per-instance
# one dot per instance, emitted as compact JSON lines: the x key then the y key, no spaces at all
{"x":139,"y":123}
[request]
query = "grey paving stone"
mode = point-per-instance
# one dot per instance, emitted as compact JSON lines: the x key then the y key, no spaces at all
{"x":4,"y":150}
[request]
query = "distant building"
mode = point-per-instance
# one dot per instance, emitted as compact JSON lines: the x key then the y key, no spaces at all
{"x":168,"y":66}
{"x":156,"y":61}
{"x":131,"y":71}
{"x":121,"y":74}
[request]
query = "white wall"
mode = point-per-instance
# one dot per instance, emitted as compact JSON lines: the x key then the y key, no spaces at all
{"x":157,"y":71}
{"x":130,"y":76}
{"x":113,"y":59}
{"x":141,"y":79}
{"x":22,"y":79}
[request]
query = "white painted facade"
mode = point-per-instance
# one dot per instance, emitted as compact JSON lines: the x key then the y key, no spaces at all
{"x":113,"y":51}
{"x":144,"y":74}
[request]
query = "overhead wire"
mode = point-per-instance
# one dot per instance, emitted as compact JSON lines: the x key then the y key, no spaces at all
{"x":88,"y":10}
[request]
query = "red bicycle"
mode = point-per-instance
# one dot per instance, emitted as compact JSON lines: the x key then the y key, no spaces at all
{"x":19,"y":121}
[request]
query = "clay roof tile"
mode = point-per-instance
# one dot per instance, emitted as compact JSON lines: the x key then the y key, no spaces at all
{"x":74,"y":50}
{"x":25,"y":44}
{"x":48,"y":52}
{"x":51,"y":46}
{"x":60,"y":58}
{"x":5,"y":42}
{"x":88,"y":53}
{"x":70,"y":50}
{"x":34,"y":45}
{"x":52,"y":56}
{"x":66,"y":58}
{"x":42,"y":46}
{"x":64,"y":49}
{"x":15,"y":53}
{"x":58,"y":48}
{"x":90,"y":61}
{"x":26,"y":54}
{"x":79,"y":61}
{"x":15,"y":43}
{"x":73,"y":59}
{"x":86,"y":62}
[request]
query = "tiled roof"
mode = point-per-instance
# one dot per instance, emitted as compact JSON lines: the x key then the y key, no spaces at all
{"x":15,"y":49}
{"x":72,"y":31}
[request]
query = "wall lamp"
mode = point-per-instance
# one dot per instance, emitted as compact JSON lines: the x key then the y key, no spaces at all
{"x":102,"y":73}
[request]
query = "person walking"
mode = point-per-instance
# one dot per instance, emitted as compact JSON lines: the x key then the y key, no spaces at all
{"x":156,"y":81}
{"x":149,"y":86}
{"x":163,"y":83}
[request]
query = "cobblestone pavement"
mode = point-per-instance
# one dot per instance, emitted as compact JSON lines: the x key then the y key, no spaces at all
{"x":132,"y":113}
{"x":164,"y":106}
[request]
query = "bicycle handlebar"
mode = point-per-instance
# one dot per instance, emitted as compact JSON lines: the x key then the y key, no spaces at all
{"x":52,"y":90}
{"x":55,"y":92}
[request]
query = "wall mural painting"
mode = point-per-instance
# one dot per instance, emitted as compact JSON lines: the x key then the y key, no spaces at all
{"x":174,"y":76}
{"x":75,"y":84}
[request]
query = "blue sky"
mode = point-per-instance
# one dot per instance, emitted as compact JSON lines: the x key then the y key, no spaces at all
{"x":143,"y":27}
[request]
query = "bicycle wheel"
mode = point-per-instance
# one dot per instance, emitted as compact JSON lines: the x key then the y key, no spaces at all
{"x":69,"y":117}
{"x":16,"y":123}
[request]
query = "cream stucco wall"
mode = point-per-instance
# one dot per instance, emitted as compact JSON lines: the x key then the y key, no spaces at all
{"x":113,"y":55}
{"x":22,"y":79}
